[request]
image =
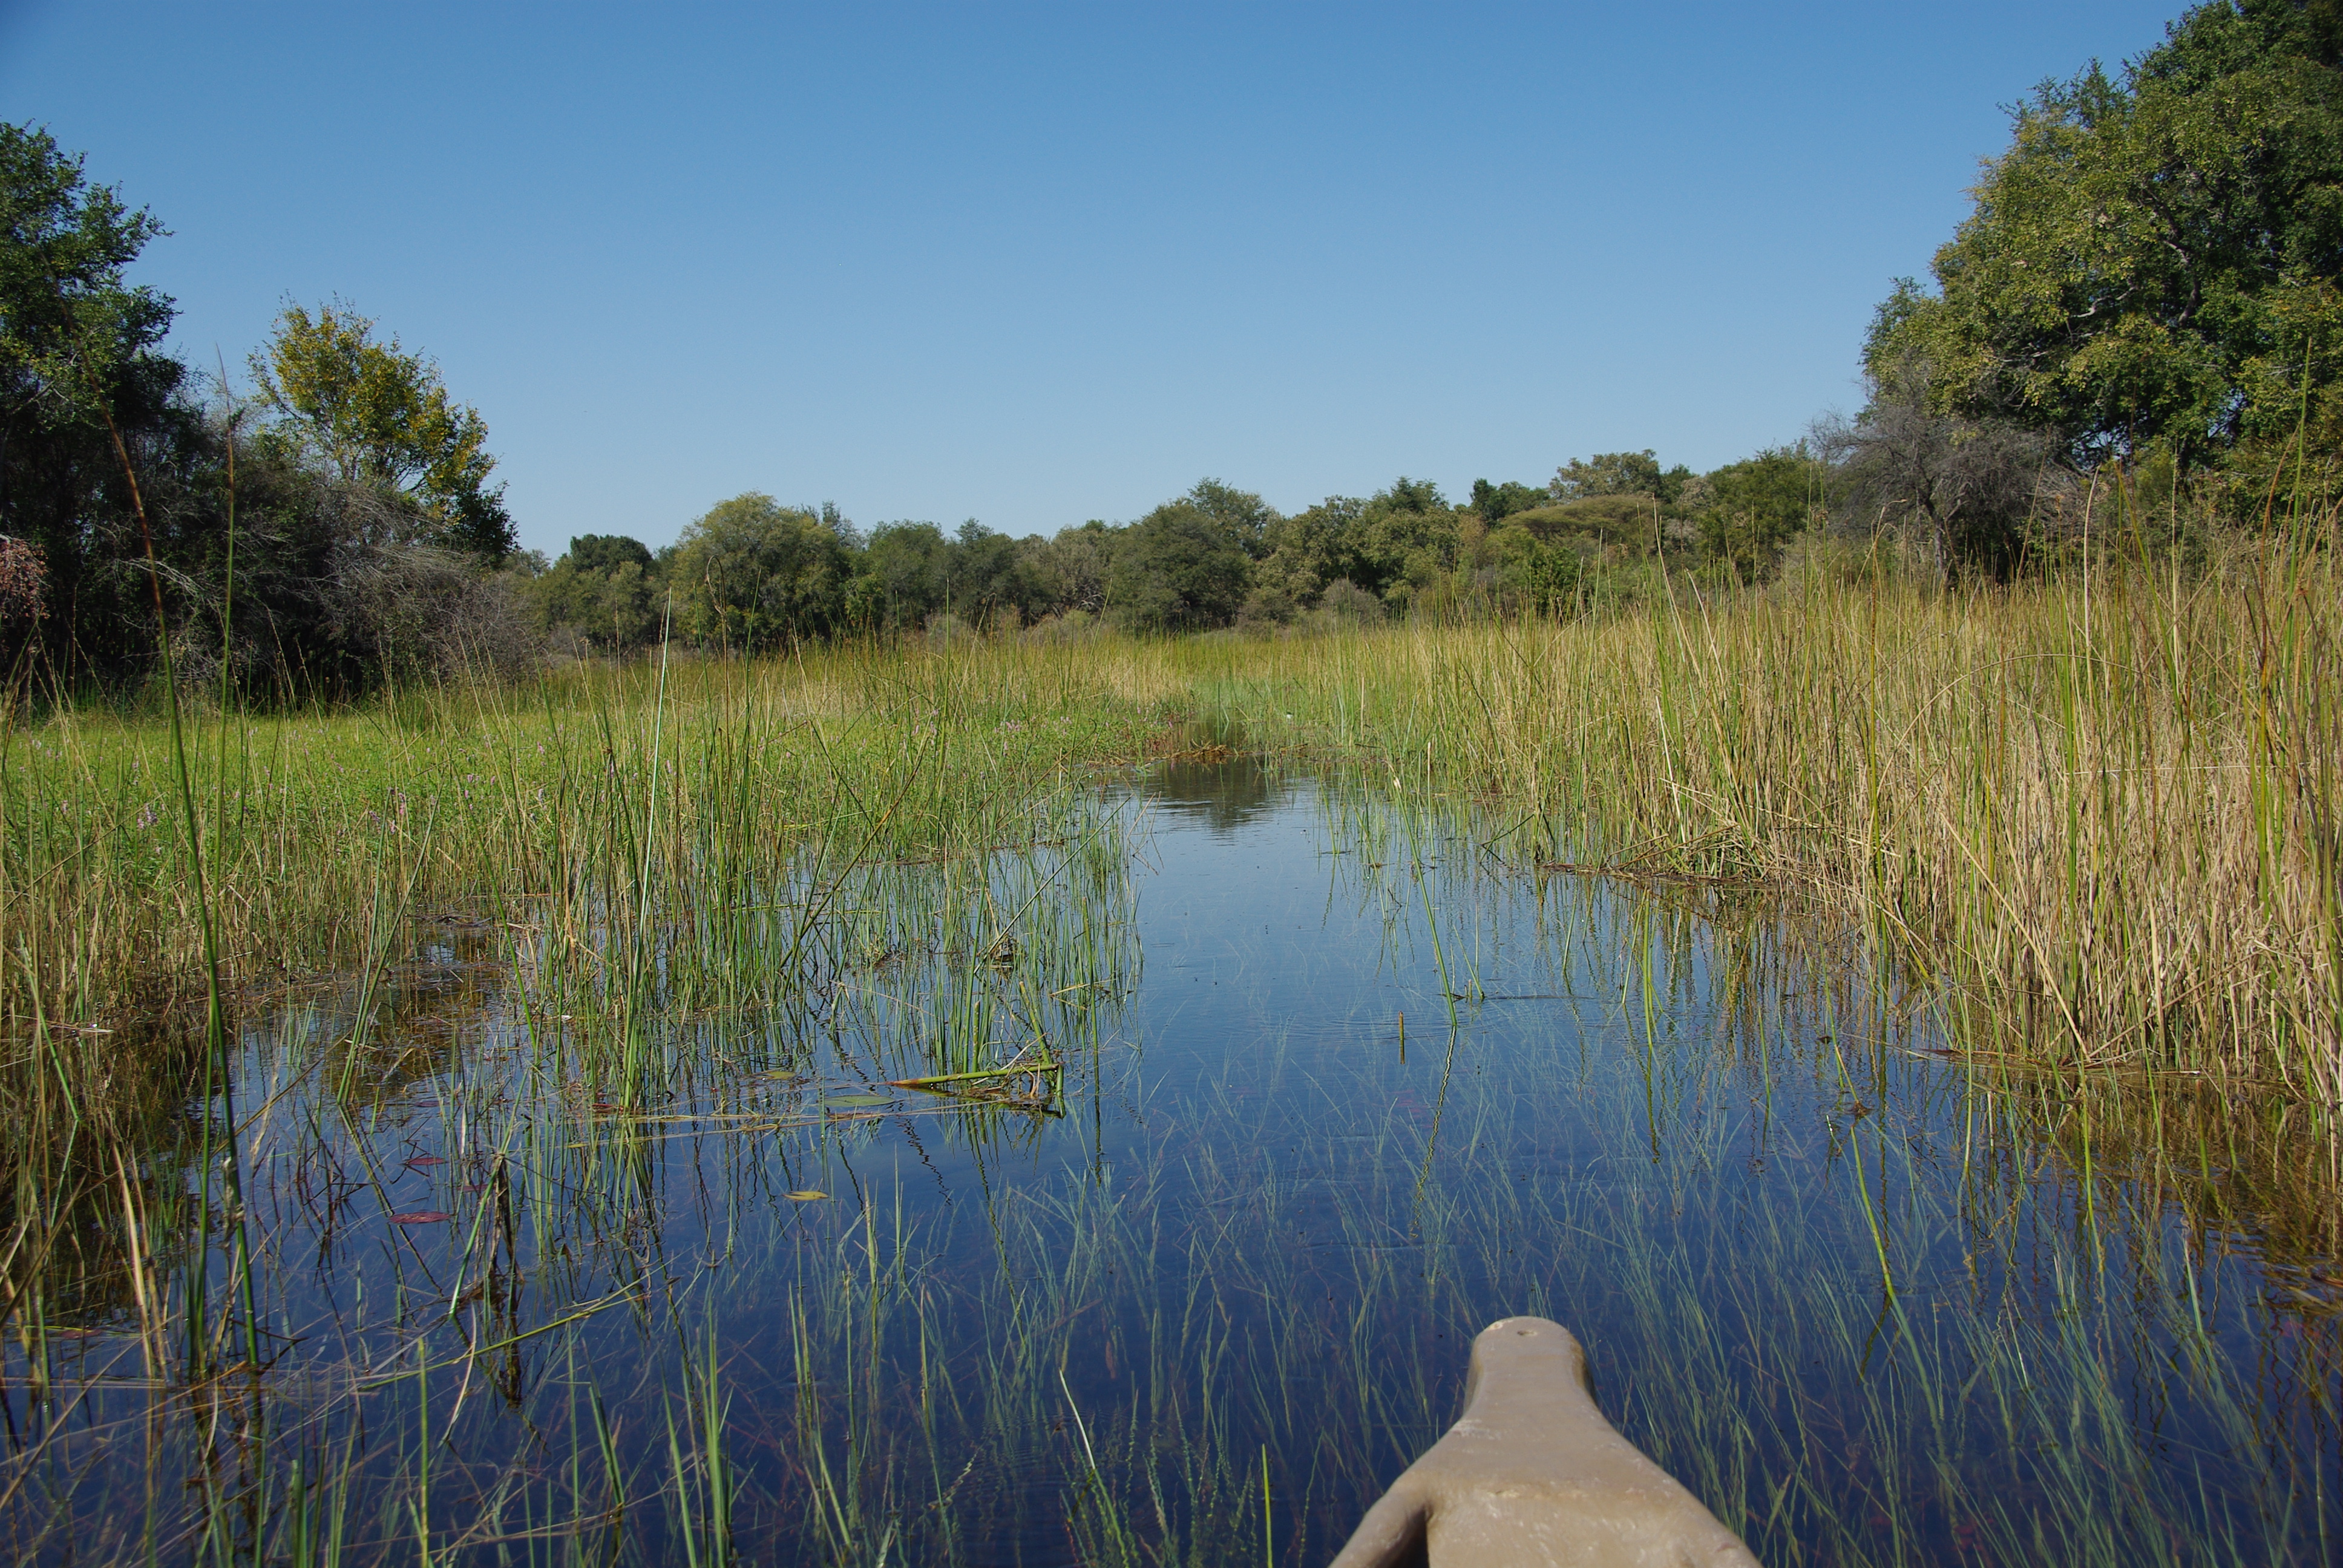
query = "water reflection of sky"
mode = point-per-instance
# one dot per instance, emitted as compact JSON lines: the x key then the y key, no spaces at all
{"x":1697,"y":1117}
{"x":1347,"y":1090}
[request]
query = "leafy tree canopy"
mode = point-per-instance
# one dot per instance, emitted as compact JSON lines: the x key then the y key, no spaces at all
{"x":1494,"y":503}
{"x":1406,"y":539}
{"x":371,"y":414}
{"x":986,"y":576}
{"x":903,"y":577}
{"x":71,"y":328}
{"x":601,"y":552}
{"x":1752,"y":508}
{"x":1247,"y":517}
{"x":1069,"y":572}
{"x":753,"y":574}
{"x":1180,"y":568}
{"x":1627,"y":521}
{"x":1542,"y":577}
{"x":606,"y":589}
{"x":2155,"y":258}
{"x":1617,"y":474}
{"x":80,"y":348}
{"x":1388,"y":545}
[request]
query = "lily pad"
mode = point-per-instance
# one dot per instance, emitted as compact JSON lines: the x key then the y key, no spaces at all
{"x":807,"y":1195}
{"x":421,"y":1217}
{"x":859,"y":1099}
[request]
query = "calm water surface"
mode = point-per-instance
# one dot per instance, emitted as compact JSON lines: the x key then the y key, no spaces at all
{"x":1341,"y":1085}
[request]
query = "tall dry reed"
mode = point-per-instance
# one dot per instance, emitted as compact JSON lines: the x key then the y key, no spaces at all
{"x":2101,"y":811}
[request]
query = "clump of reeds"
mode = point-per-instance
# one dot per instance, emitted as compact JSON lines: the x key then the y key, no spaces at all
{"x":2099,"y":810}
{"x":314,"y":824}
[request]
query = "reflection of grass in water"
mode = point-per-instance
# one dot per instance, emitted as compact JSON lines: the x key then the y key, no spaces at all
{"x":1980,"y":1398}
{"x":557,"y":1195}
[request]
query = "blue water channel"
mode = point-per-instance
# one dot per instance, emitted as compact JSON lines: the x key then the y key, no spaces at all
{"x":1339,"y":1081}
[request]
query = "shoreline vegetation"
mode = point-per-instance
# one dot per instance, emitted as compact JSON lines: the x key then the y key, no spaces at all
{"x":2094,"y":814}
{"x":2028,"y":664}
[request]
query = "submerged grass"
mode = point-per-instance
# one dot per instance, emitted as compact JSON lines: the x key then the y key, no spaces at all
{"x":1948,"y":1351}
{"x":510,"y":1314}
{"x":457,"y":1202}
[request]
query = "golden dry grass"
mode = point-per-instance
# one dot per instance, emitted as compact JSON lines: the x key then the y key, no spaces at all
{"x":2104,"y":814}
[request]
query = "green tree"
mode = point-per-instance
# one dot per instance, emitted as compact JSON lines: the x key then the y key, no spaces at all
{"x":79,"y":345}
{"x":370,"y":414}
{"x":1618,"y":474}
{"x":753,"y":574}
{"x":1312,"y":549}
{"x":1754,"y":507}
{"x":1391,"y":545}
{"x":985,"y":577}
{"x":606,"y":589}
{"x":72,"y":331}
{"x":329,"y":591}
{"x":1179,"y":569}
{"x":902,"y":577}
{"x":2156,"y":259}
{"x":604,"y":552}
{"x":1246,"y":517}
{"x":1492,"y":504}
{"x":1533,"y":574}
{"x":1404,"y":540}
{"x":1071,"y":571}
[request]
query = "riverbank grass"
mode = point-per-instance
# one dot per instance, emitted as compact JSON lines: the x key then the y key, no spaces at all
{"x":2098,"y":814}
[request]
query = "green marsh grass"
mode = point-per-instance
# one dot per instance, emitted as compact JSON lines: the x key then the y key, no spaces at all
{"x":2099,"y":812}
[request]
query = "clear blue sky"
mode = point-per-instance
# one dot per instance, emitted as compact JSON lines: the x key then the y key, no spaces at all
{"x":1035,"y":264}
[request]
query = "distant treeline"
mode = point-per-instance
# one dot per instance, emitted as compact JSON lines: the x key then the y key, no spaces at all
{"x":753,"y":574}
{"x":2141,"y":318}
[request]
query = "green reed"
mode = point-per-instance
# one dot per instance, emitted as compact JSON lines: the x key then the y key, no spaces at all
{"x":2098,"y":808}
{"x":735,"y":942}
